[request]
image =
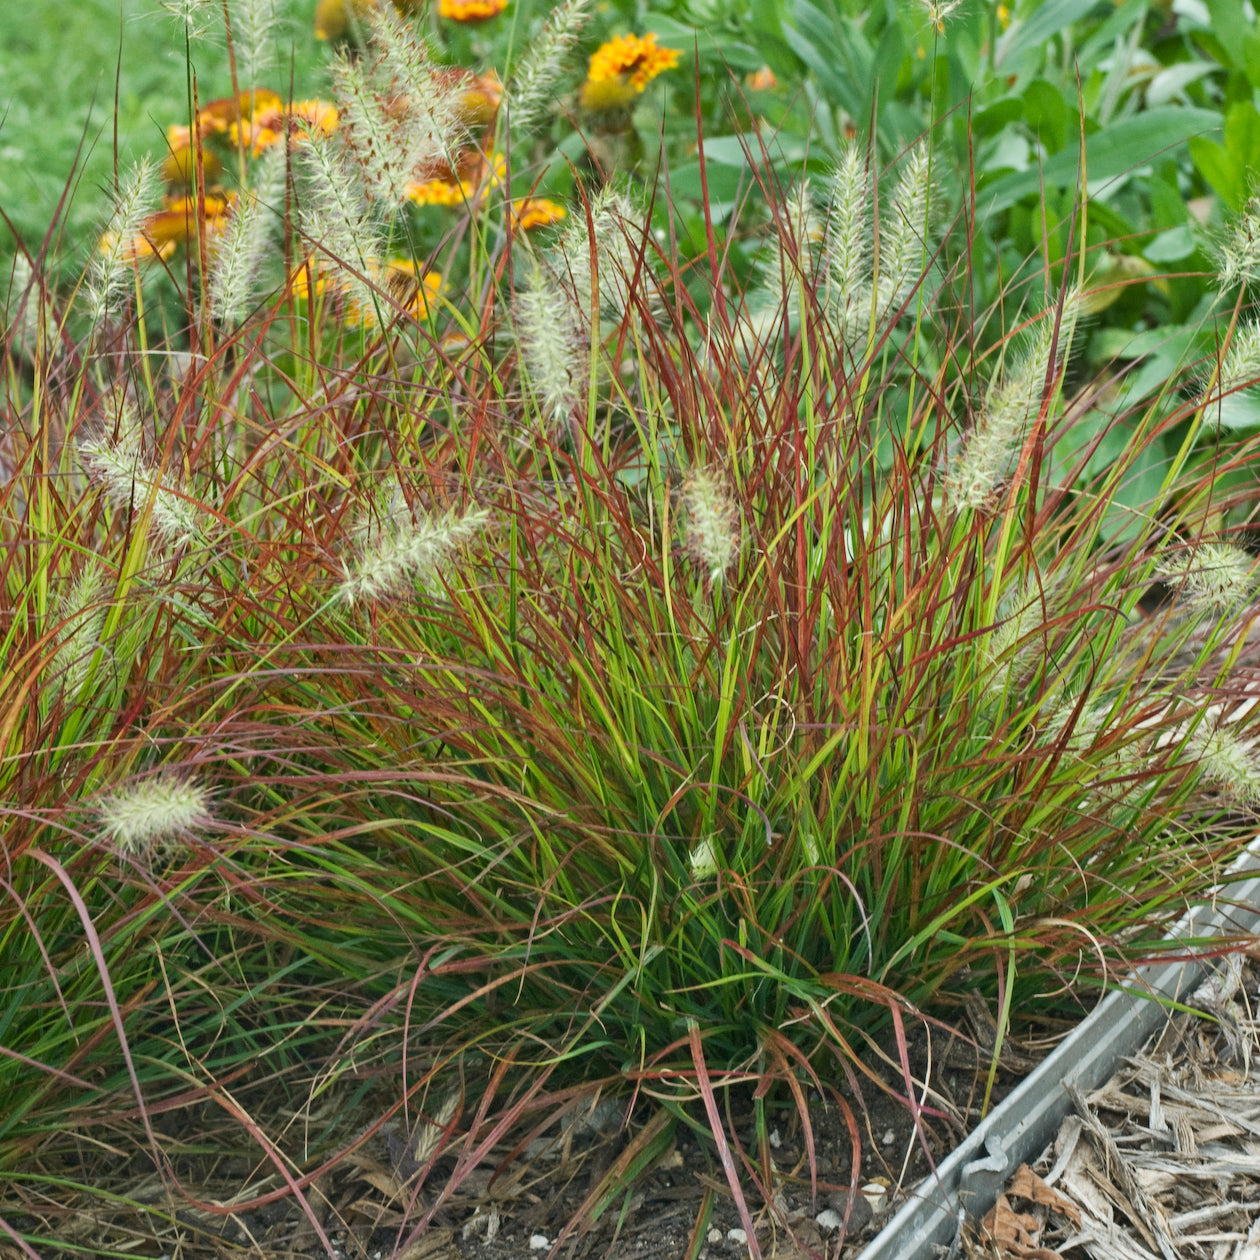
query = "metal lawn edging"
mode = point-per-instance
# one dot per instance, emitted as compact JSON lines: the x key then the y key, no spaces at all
{"x":968,"y":1182}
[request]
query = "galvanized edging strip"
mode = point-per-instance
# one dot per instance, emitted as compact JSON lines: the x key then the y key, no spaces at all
{"x":969,"y":1181}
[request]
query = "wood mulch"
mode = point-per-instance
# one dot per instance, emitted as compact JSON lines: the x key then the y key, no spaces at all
{"x":1162,"y":1162}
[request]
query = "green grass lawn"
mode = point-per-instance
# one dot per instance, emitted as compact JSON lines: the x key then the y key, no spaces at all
{"x":63,"y":69}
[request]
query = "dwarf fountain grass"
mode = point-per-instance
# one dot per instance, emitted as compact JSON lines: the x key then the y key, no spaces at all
{"x":1216,"y":578}
{"x":109,"y":273}
{"x":393,"y":553}
{"x":254,"y":27}
{"x":534,"y":77}
{"x":1238,"y":250}
{"x":610,"y":779}
{"x":118,"y":464}
{"x":1011,"y":404}
{"x":144,"y":816}
{"x":550,"y":343}
{"x":711,"y":523}
{"x":1232,"y":401}
{"x":239,"y":252}
{"x":80,"y":614}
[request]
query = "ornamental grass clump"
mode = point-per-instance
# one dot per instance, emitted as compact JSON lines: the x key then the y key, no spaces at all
{"x":674,"y":724}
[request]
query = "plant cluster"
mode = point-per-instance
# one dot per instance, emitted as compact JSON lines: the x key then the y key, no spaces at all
{"x":453,"y":672}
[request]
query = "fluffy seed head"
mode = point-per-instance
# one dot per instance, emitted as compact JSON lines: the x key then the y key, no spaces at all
{"x":905,"y":229}
{"x":1227,"y":761}
{"x":1234,"y":403}
{"x":1218,"y":578}
{"x":1238,"y":253}
{"x":107,"y":278}
{"x":153,"y":812}
{"x":533,"y":82}
{"x":394,"y":554}
{"x":118,"y":466}
{"x":847,"y":248}
{"x":712,"y":522}
{"x":703,"y":860}
{"x":547,"y":336}
{"x":1009,"y":407}
{"x":241,"y":247}
{"x":81,"y":612}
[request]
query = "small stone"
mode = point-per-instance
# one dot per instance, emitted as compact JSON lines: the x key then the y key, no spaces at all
{"x":889,"y":1138}
{"x":737,"y":1236}
{"x":714,"y":1236}
{"x":875,"y":1195}
{"x":538,"y":1242}
{"x":775,"y":1140}
{"x":827,"y":1219}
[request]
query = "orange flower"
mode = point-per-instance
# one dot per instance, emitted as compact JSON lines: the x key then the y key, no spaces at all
{"x":161,"y":232}
{"x":399,"y":280}
{"x":345,"y":19}
{"x":179,"y":165}
{"x":267,"y":126}
{"x":622,"y":68}
{"x":470,"y":10}
{"x":218,"y":116}
{"x":762,"y":80}
{"x":468,"y":183}
{"x":536,"y":212}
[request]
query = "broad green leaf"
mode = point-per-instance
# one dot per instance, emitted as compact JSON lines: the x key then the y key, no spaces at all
{"x":1045,"y":23}
{"x":1115,"y":150}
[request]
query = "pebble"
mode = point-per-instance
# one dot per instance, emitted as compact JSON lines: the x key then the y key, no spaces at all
{"x":538,"y":1242}
{"x":737,"y":1236}
{"x":827,"y":1219}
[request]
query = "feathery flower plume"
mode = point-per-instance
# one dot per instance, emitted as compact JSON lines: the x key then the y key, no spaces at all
{"x":610,"y":213}
{"x":28,"y":311}
{"x":1020,"y":618}
{"x":1226,"y":760}
{"x":118,"y":465}
{"x":195,"y":16}
{"x":847,"y":248}
{"x":1008,"y":408}
{"x":153,"y":812}
{"x":394,"y":553}
{"x":81,"y":612}
{"x":377,"y":143}
{"x":1235,"y":399}
{"x":429,"y":1133}
{"x":703,"y":861}
{"x":253,"y":36}
{"x":712,"y":522}
{"x":940,"y":11}
{"x":905,"y":229}
{"x":532,"y":86}
{"x":108,"y":277}
{"x":1238,"y":254}
{"x":548,"y":338}
{"x":335,"y":218}
{"x":1217,"y":579}
{"x":425,"y":103}
{"x":239,"y":250}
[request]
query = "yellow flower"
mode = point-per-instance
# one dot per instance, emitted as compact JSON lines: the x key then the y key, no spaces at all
{"x":342,"y":19}
{"x":470,"y":10}
{"x":267,"y":126}
{"x":622,"y":68}
{"x":535,"y":212}
{"x":180,"y":164}
{"x":468,"y":183}
{"x":399,"y":280}
{"x":161,"y":232}
{"x":218,"y":116}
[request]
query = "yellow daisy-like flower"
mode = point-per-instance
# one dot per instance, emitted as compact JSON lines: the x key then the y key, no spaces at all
{"x":469,"y":183}
{"x":536,"y":212}
{"x":620,"y":69}
{"x":470,"y":10}
{"x":177,"y":222}
{"x":179,"y":166}
{"x":413,"y":290}
{"x":267,"y":126}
